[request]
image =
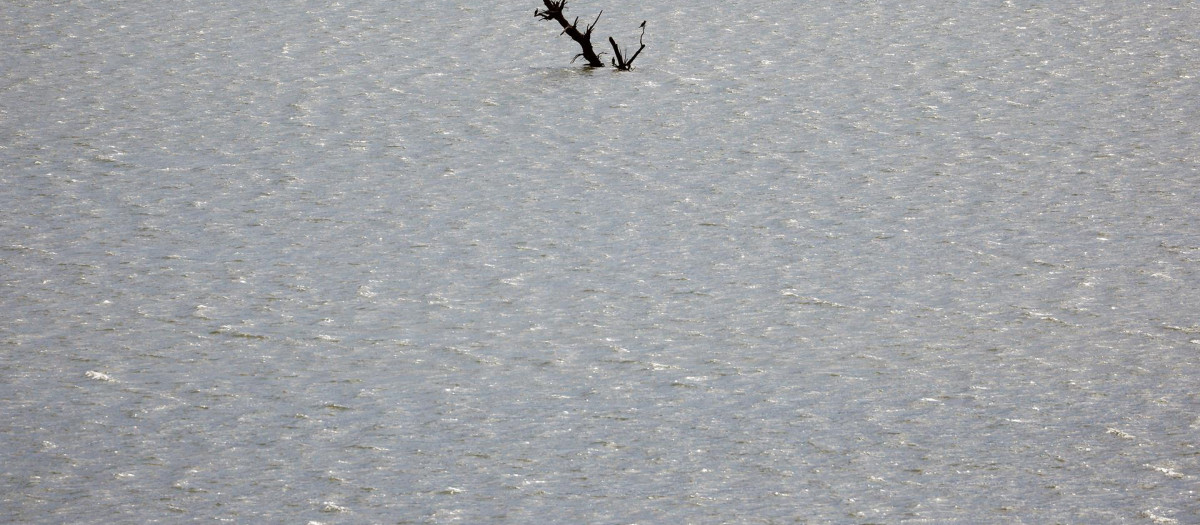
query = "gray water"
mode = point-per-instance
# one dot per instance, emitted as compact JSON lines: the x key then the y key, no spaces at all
{"x":402,"y":262}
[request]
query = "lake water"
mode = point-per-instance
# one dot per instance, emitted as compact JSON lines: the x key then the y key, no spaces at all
{"x":395,"y":261}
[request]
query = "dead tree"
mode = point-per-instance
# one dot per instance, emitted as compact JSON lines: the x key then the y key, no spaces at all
{"x":554,"y":11}
{"x":621,"y":62}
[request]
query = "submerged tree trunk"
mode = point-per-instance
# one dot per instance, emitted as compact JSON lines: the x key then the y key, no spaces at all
{"x":554,"y":11}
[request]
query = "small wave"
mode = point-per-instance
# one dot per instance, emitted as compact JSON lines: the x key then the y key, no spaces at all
{"x":97,"y":376}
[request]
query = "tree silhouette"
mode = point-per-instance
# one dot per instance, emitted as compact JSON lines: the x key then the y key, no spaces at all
{"x":554,"y":11}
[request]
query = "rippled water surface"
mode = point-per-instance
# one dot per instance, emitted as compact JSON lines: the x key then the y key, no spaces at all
{"x":402,"y":262}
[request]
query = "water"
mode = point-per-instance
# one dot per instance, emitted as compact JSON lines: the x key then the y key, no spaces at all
{"x":401,"y":262}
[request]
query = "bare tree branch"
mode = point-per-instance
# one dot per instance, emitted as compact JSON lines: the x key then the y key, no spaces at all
{"x":554,"y":11}
{"x":619,"y":62}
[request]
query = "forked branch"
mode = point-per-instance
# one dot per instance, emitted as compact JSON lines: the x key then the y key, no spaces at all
{"x":620,"y":62}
